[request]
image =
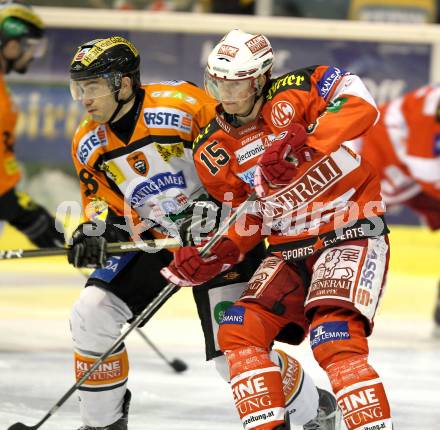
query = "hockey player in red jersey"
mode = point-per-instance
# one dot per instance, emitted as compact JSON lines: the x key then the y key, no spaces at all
{"x":21,"y":40}
{"x":319,"y":208}
{"x":404,"y":149}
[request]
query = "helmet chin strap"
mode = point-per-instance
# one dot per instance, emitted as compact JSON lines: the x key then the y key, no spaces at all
{"x":120,"y":105}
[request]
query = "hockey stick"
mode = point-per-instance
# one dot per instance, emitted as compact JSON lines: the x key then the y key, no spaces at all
{"x":144,"y":316}
{"x":176,"y":364}
{"x":112,"y":248}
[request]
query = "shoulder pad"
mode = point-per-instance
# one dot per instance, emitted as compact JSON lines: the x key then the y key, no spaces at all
{"x":208,"y":131}
{"x":172,"y":83}
{"x":185,"y":92}
{"x":88,"y":140}
{"x":296,"y":80}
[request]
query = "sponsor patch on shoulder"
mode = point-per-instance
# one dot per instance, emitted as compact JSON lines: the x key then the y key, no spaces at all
{"x":233,"y":315}
{"x":328,"y":80}
{"x":329,"y":332}
{"x":90,"y":143}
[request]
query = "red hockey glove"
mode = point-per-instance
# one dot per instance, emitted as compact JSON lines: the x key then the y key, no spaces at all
{"x":189,"y":268}
{"x":278,"y":164}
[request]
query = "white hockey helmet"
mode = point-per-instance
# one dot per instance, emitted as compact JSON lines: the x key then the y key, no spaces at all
{"x":239,"y":56}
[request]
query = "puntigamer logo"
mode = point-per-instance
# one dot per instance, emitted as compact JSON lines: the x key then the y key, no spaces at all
{"x":155,"y":185}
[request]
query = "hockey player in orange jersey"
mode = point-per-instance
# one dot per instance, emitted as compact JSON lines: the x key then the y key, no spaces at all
{"x":131,"y":155}
{"x":404,"y":149}
{"x":21,"y":40}
{"x":320,"y":209}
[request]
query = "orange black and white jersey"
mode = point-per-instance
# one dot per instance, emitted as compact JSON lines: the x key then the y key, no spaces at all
{"x":333,"y":184}
{"x":404,"y":146}
{"x":151,"y":174}
{"x":9,"y":169}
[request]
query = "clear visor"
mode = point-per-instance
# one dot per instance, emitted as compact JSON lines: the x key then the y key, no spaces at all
{"x":92,"y":88}
{"x":229,"y":91}
{"x":35,"y":47}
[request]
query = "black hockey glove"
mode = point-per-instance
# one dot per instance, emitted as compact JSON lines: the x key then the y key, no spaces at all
{"x":202,"y":220}
{"x":41,"y":228}
{"x":89,"y":242}
{"x":88,"y":245}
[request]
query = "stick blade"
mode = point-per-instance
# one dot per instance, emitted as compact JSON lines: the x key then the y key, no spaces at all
{"x":21,"y":426}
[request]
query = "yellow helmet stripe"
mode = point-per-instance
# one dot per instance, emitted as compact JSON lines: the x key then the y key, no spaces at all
{"x":102,"y":46}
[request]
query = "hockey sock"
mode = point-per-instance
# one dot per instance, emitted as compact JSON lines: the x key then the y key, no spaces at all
{"x":257,"y":388}
{"x":360,"y":394}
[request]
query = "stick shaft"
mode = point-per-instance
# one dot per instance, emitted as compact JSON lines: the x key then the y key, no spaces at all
{"x":112,"y":248}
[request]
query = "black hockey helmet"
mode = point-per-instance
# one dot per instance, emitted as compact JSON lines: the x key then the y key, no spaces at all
{"x":111,"y":58}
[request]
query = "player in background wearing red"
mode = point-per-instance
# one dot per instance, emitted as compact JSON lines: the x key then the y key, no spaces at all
{"x":21,"y":40}
{"x":321,"y":212}
{"x":404,"y":148}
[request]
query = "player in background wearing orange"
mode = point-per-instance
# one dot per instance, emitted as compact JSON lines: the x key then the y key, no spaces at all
{"x":21,"y":40}
{"x":404,"y":148}
{"x":321,"y":211}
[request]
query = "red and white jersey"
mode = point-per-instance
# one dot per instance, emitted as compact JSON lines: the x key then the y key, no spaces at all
{"x":9,"y":169}
{"x":152,"y":174}
{"x":404,"y":146}
{"x":335,"y":107}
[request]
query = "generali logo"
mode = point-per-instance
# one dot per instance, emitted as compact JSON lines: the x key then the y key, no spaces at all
{"x":228,"y":50}
{"x":138,"y":163}
{"x":313,"y":182}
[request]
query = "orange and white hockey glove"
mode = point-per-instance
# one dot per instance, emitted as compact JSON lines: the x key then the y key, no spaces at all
{"x":279,"y":163}
{"x":189,"y":269}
